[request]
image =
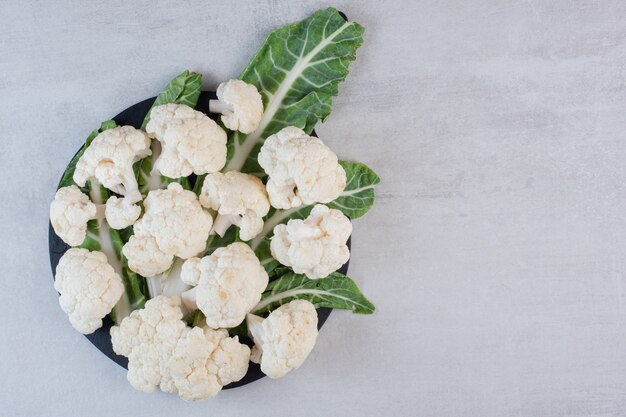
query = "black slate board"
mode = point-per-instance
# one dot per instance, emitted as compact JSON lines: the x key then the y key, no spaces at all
{"x":101,"y":339}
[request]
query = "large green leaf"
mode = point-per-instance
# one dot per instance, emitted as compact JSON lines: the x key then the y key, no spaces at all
{"x":184,"y":89}
{"x":358,"y":196}
{"x":68,"y":175}
{"x":335,"y":291}
{"x":297,"y":71}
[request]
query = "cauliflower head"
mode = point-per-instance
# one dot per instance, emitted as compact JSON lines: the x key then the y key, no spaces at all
{"x":89,"y":288}
{"x":315,"y":246}
{"x":204,"y":360}
{"x":301,"y":169}
{"x":110,"y":158}
{"x":147,"y":338}
{"x":120,"y":213}
{"x":239,"y":199}
{"x":191,"y":141}
{"x":174,"y":224}
{"x":229,"y":282}
{"x":285,"y":338}
{"x":241,"y":106}
{"x":69,"y":213}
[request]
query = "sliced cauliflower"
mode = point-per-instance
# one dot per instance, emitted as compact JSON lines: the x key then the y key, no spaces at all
{"x":301,"y":169}
{"x":69,"y":213}
{"x":285,"y":338}
{"x":229,"y":282}
{"x":110,"y":159}
{"x":191,"y":141}
{"x":205,"y":360}
{"x":89,"y":288}
{"x":120,"y":213}
{"x":241,"y":105}
{"x":147,"y":338}
{"x":315,"y":246}
{"x":174,"y":224}
{"x":239,"y":199}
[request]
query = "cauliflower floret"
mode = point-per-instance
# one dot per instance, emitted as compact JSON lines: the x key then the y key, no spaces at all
{"x":241,"y":105}
{"x":120,"y":213}
{"x":301,"y":169}
{"x":69,"y":213}
{"x":239,"y":199}
{"x":191,"y":141}
{"x":148,"y":338}
{"x":163,"y":352}
{"x":89,"y":288}
{"x":110,"y":158}
{"x":315,"y":246}
{"x":205,"y":360}
{"x":230,"y":282}
{"x":174,"y":224}
{"x":285,"y":338}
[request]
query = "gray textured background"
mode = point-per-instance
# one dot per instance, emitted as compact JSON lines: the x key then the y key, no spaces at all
{"x":496,"y":253}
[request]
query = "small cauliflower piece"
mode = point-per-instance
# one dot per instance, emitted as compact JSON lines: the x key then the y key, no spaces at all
{"x":239,"y":199}
{"x":89,"y":288}
{"x":285,"y":338}
{"x":69,"y":213}
{"x":301,"y":169}
{"x":229,"y":282}
{"x":110,"y":159}
{"x":147,"y":338}
{"x":205,"y":360}
{"x":241,"y":105}
{"x":315,"y":246}
{"x":174,"y":224}
{"x":191,"y":141}
{"x":120,"y":213}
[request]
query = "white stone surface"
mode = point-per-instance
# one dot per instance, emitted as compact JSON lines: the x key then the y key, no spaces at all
{"x":496,"y":253}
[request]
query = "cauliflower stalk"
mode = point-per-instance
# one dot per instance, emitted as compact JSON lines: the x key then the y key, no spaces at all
{"x":227,"y":284}
{"x":239,"y":199}
{"x":302,"y":170}
{"x":164,"y":353}
{"x":285,"y":338}
{"x":315,"y":246}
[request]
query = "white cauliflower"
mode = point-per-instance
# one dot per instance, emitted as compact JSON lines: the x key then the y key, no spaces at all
{"x":191,"y":141}
{"x":174,"y":224}
{"x":120,"y":213}
{"x":301,"y":169}
{"x":315,"y":246}
{"x":285,"y":338}
{"x":241,"y":105}
{"x":239,"y":199}
{"x":147,"y":338}
{"x":229,"y":283}
{"x":205,"y":360}
{"x":164,"y":353}
{"x":69,"y":213}
{"x":110,"y":158}
{"x":89,"y":288}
